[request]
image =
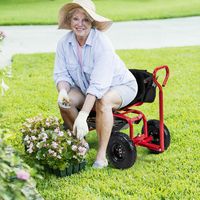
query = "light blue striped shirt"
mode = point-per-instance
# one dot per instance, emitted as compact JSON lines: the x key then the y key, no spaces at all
{"x":100,"y":69}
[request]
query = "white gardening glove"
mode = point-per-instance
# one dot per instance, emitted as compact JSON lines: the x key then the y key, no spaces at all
{"x":63,"y":99}
{"x":80,"y":128}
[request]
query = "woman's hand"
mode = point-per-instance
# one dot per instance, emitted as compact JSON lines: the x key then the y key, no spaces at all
{"x":63,"y":99}
{"x":80,"y":128}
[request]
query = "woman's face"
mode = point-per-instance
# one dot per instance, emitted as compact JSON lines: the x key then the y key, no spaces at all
{"x":80,"y":24}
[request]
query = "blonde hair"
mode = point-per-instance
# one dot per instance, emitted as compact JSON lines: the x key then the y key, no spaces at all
{"x":71,"y":13}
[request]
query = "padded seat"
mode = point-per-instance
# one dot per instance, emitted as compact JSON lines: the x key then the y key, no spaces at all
{"x":146,"y":88}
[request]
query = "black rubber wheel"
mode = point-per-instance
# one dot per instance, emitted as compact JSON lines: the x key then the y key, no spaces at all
{"x":153,"y":127}
{"x":121,"y":151}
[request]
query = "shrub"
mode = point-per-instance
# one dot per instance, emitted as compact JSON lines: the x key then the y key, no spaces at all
{"x":16,"y":177}
{"x":46,"y":141}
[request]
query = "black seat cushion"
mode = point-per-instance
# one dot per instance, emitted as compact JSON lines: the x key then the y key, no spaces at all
{"x":146,"y":87}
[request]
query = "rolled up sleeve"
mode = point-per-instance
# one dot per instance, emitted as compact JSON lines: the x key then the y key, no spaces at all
{"x":102,"y":74}
{"x":60,"y":67}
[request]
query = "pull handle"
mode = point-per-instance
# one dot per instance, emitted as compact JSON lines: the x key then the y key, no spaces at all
{"x":166,"y":75}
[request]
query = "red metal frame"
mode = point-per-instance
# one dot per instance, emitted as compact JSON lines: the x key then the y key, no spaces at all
{"x":144,"y":139}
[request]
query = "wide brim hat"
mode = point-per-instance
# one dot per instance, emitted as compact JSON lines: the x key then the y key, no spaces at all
{"x":100,"y":22}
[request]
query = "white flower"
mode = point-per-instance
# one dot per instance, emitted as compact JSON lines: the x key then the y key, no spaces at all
{"x":74,"y":147}
{"x":30,"y":150}
{"x":59,"y":157}
{"x":34,"y":131}
{"x":23,"y":130}
{"x":28,"y":126}
{"x":48,"y":124}
{"x":69,"y":142}
{"x":54,"y":154}
{"x":54,"y":145}
{"x":50,"y":151}
{"x":26,"y":138}
{"x":44,"y":140}
{"x":43,"y":136}
{"x":33,"y":137}
{"x":39,"y":145}
{"x":31,"y":145}
{"x":60,"y":133}
{"x":69,"y":133}
{"x":57,"y":130}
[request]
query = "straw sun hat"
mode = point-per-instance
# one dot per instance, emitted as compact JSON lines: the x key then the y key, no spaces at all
{"x":100,"y":22}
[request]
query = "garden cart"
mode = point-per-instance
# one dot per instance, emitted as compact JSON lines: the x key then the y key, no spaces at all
{"x":155,"y":136}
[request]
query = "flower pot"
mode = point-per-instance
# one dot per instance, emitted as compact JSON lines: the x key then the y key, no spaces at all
{"x":69,"y":170}
{"x":61,"y":142}
{"x":48,"y":169}
{"x":72,"y":169}
{"x":60,"y":173}
{"x":82,"y":165}
{"x":75,"y":168}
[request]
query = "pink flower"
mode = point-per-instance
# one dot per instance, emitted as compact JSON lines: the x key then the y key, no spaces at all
{"x":57,"y":130}
{"x":30,"y":150}
{"x":82,"y":151}
{"x":23,"y":175}
{"x":54,"y":145}
{"x":60,"y":133}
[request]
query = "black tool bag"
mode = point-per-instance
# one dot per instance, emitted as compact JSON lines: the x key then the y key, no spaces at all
{"x":146,"y":86}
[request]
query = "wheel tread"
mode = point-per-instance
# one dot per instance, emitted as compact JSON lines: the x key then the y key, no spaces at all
{"x":129,"y":148}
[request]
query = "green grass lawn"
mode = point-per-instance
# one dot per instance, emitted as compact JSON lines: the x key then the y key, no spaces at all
{"x":173,"y":175}
{"x":15,"y":12}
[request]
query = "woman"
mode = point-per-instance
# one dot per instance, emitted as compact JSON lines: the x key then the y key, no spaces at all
{"x":89,"y":74}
